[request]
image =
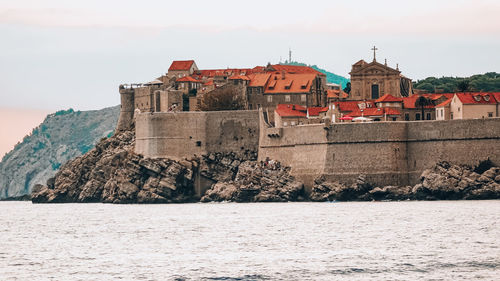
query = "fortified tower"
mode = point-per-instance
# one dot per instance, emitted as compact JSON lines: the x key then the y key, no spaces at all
{"x":126,"y":118}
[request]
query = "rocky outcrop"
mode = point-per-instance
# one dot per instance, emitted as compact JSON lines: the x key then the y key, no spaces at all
{"x":257,"y":182}
{"x":113,"y":173}
{"x":62,"y":136}
{"x":441,"y":182}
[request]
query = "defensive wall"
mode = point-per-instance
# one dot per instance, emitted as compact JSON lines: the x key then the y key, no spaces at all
{"x":388,"y":153}
{"x":179,"y":135}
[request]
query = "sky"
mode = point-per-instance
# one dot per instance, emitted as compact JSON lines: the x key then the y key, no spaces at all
{"x":57,"y":54}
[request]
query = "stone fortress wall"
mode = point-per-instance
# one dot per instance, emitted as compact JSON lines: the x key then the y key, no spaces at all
{"x":388,"y":153}
{"x":179,"y":135}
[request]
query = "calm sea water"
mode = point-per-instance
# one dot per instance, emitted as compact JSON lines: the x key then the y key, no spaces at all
{"x":456,"y":240}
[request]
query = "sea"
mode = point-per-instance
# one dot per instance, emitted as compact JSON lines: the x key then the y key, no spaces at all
{"x":410,"y":240}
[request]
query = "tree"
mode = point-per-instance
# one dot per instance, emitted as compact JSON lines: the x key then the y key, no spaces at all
{"x":225,"y":98}
{"x":463,"y":85}
{"x":422,"y":102}
{"x":347,"y":88}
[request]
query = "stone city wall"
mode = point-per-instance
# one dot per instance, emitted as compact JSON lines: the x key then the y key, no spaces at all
{"x":388,"y":153}
{"x":185,"y":134}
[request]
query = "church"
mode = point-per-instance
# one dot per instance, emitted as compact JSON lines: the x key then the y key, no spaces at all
{"x":369,"y":81}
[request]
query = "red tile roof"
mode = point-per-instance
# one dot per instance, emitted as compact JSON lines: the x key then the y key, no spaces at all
{"x":239,"y":77}
{"x":259,"y":79}
{"x":291,"y":110}
{"x":409,"y":102}
{"x":445,"y":103}
{"x":210,"y":73}
{"x":375,"y":112}
{"x":295,"y":69}
{"x":188,"y":79}
{"x":290,"y":83}
{"x":388,"y":98}
{"x":353,"y":105}
{"x":314,"y":111}
{"x":181,"y":65}
{"x":497,"y":96}
{"x":476,"y":98}
{"x":209,"y":83}
{"x":332,"y":93}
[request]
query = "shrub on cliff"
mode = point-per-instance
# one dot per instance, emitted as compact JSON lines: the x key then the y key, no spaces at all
{"x":222,"y":99}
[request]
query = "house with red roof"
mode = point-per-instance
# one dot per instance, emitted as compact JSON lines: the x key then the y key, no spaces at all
{"x":287,"y":115}
{"x":474,"y":105}
{"x":181,"y":68}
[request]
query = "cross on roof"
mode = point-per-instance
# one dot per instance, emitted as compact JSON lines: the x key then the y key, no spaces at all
{"x":374,"y":50}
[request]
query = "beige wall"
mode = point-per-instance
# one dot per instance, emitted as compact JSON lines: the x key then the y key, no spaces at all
{"x":185,"y":134}
{"x":388,"y":153}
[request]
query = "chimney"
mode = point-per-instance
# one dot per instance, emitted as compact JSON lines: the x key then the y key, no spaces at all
{"x":283,"y":75}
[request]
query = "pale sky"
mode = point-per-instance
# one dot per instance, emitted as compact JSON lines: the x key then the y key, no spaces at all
{"x":57,"y":54}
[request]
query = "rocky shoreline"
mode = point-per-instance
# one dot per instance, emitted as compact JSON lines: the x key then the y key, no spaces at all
{"x":113,"y":173}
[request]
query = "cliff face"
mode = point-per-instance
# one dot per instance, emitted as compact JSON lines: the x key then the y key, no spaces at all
{"x":62,"y":136}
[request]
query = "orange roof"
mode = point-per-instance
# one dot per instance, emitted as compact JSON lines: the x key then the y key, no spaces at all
{"x":353,"y":105}
{"x":409,"y":102}
{"x":332,"y":93}
{"x":314,"y":111}
{"x":289,"y":83}
{"x":497,"y":96}
{"x":209,"y":83}
{"x":225,"y":72}
{"x":476,"y":98}
{"x":181,"y":65}
{"x":258,"y":79}
{"x":445,"y":103}
{"x":291,"y":110}
{"x":188,"y":79}
{"x":375,"y":112}
{"x":388,"y":98}
{"x":295,"y":69}
{"x":239,"y":77}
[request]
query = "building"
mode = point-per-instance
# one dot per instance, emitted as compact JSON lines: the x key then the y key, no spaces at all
{"x":287,"y":115}
{"x":473,"y":105}
{"x":181,"y":68}
{"x":373,"y":80}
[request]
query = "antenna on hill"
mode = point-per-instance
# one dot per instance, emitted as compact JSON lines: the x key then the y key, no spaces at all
{"x":289,"y":55}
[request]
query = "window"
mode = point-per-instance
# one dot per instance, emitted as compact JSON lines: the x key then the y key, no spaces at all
{"x":250,"y":106}
{"x":394,"y":118}
{"x":407,"y":117}
{"x":287,"y":98}
{"x":428,"y":117}
{"x":269,"y":98}
{"x":490,"y":114}
{"x":417,"y":116}
{"x":451,"y":115}
{"x":292,"y":123}
{"x":459,"y":109}
{"x":303,"y":98}
{"x":285,"y":124}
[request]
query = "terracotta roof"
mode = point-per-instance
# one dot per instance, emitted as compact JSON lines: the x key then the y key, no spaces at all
{"x":225,"y":72}
{"x":497,"y":96}
{"x":291,"y":110}
{"x":409,"y":102}
{"x":445,"y":103}
{"x":295,"y":69}
{"x":314,"y":111}
{"x":375,"y":112}
{"x":388,"y":98}
{"x":476,"y":98}
{"x":209,"y":83}
{"x":181,"y":65}
{"x":258,"y":79}
{"x":239,"y":77}
{"x":332,"y":93}
{"x":353,"y":105}
{"x":188,"y":79}
{"x":290,"y":83}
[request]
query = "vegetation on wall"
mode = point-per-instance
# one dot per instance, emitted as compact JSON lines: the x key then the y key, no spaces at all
{"x":488,"y":82}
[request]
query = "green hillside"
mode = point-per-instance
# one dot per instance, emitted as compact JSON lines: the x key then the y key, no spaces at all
{"x":488,"y":82}
{"x":330,"y":77}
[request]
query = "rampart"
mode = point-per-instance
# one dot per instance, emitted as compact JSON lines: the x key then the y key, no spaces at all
{"x":388,"y":153}
{"x":180,"y":135}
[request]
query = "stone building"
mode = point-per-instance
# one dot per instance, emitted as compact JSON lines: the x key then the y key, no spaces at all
{"x":181,"y":68}
{"x":373,"y":80}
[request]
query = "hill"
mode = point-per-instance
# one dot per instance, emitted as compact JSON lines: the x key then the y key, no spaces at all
{"x":330,"y":77}
{"x":488,"y":82}
{"x":62,"y":136}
